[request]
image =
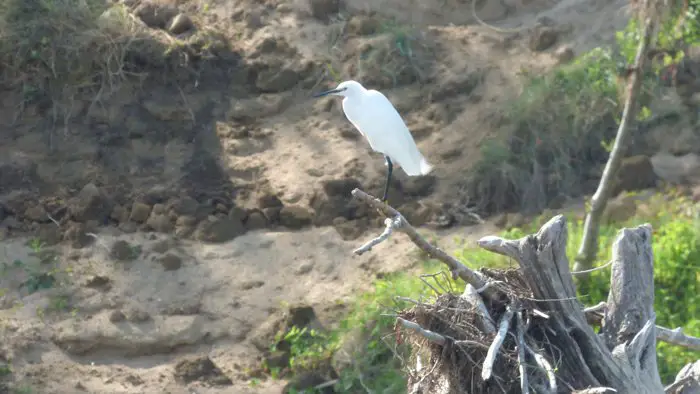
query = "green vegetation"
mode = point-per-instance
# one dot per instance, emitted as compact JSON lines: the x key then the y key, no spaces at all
{"x":561,"y":126}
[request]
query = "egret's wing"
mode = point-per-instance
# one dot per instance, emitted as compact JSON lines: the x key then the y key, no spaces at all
{"x":381,"y":124}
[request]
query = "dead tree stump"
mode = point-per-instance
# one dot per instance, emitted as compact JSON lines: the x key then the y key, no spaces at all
{"x":524,"y":330}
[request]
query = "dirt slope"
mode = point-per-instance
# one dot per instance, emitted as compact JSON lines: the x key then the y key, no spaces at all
{"x":215,"y":177}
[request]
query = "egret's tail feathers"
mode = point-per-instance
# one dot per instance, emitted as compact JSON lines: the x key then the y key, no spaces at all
{"x":425,"y":167}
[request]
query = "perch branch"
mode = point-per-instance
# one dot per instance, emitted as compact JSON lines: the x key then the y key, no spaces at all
{"x":524,"y":387}
{"x":589,"y":244}
{"x":401,"y":224}
{"x":503,"y":325}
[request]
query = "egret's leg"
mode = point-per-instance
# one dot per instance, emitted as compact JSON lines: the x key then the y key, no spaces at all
{"x":390,"y":168}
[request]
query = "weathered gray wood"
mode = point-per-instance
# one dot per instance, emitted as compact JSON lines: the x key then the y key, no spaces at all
{"x":586,"y":360}
{"x":687,"y":381}
{"x":628,"y":327}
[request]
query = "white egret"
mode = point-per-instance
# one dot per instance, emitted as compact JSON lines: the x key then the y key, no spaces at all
{"x":376,"y":119}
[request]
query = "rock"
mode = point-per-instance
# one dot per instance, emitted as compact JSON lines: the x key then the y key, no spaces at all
{"x":295,"y":217}
{"x":676,"y":169}
{"x":170,"y":262}
{"x":620,"y":209}
{"x":350,"y":229}
{"x":100,"y":282}
{"x":269,"y":200}
{"x":50,"y":234}
{"x":185,"y":206}
{"x":90,"y":204}
{"x":256,"y":221}
{"x":76,"y":233}
{"x":363,"y":25}
{"x":140,"y":212}
{"x":307,"y":381}
{"x":181,"y":23}
{"x":200,"y":369}
{"x":219,"y":230}
{"x":117,"y":316}
{"x":37,"y":213}
{"x":123,"y":251}
{"x":160,"y":222}
{"x":137,"y":315}
{"x":543,"y":38}
{"x":162,"y":246}
{"x":237,"y":213}
{"x":329,"y":208}
{"x":323,"y":9}
{"x":17,"y":171}
{"x":416,"y":213}
{"x":341,"y":187}
{"x":419,"y":186}
{"x":564,"y":54}
{"x":272,"y":214}
{"x":155,"y":15}
{"x":276,"y":81}
{"x":119,"y":214}
{"x":635,"y":173}
{"x":252,"y":284}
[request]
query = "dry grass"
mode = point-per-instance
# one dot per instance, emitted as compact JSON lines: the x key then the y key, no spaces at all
{"x":460,"y":361}
{"x":56,"y":52}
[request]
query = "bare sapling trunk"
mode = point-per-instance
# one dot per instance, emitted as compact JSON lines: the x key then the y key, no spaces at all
{"x":524,"y":330}
{"x":589,"y":244}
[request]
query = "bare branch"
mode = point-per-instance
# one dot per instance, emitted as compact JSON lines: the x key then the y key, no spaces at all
{"x":589,"y":244}
{"x":390,"y":224}
{"x":546,"y":366}
{"x":674,"y":336}
{"x":524,"y":386}
{"x":677,"y":337}
{"x":503,"y":326}
{"x":471,"y":296}
{"x":474,"y":278}
{"x":429,"y":335}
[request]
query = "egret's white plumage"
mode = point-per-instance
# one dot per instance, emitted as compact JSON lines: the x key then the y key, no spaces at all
{"x":377,"y":120}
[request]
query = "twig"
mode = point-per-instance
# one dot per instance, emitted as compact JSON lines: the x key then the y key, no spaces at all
{"x":391,"y":225}
{"x":546,"y":366}
{"x":474,"y":278}
{"x":435,"y":337}
{"x":524,"y":387}
{"x":677,"y":337}
{"x":430,"y":335}
{"x":503,"y":325}
{"x":596,"y":390}
{"x":596,"y":308}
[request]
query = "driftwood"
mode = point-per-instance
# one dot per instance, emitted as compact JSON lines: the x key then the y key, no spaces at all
{"x":524,"y":330}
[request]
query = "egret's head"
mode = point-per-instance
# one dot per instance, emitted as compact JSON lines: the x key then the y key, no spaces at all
{"x":344,"y":89}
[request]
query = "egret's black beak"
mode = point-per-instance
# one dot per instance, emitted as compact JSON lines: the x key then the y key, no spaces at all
{"x":327,"y":92}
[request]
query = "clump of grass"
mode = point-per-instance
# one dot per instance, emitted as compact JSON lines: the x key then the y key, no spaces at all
{"x":558,"y":125}
{"x":392,"y":55}
{"x":52,"y":49}
{"x":57,"y":51}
